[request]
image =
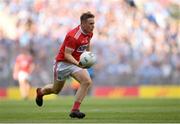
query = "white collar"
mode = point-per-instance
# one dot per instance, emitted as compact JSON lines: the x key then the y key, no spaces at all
{"x":82,"y":31}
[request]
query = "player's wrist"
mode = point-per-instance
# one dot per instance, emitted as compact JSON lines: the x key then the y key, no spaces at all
{"x":76,"y":63}
{"x":80,"y":64}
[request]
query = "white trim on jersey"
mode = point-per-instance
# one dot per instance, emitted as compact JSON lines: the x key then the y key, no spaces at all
{"x":82,"y":31}
{"x":78,"y":33}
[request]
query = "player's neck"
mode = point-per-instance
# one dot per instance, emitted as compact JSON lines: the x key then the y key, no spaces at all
{"x":82,"y":30}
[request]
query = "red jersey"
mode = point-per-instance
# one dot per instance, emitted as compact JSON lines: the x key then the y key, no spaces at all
{"x":76,"y":40}
{"x":24,"y":62}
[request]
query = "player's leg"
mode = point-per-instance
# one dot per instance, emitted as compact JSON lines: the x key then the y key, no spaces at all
{"x":27,"y":88}
{"x":24,"y":86}
{"x":82,"y":76}
{"x":53,"y":88}
{"x":85,"y":81}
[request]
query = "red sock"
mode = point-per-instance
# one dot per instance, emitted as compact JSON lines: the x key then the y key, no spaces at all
{"x":40,"y":92}
{"x":76,"y":106}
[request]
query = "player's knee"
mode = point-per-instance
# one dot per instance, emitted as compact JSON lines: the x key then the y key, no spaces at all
{"x":87,"y":82}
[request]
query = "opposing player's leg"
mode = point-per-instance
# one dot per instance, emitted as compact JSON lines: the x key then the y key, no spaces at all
{"x":82,"y":76}
{"x":53,"y":88}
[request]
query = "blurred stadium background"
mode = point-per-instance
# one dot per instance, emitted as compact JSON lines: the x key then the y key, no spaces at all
{"x":137,"y":44}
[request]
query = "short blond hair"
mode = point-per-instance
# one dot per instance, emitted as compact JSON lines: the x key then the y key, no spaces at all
{"x":86,"y":15}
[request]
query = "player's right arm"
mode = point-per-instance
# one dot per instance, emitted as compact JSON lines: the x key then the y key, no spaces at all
{"x":68,"y":56}
{"x":70,"y":45}
{"x":69,"y":49}
{"x":15,"y":70}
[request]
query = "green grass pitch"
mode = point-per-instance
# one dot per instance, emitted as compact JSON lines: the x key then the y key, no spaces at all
{"x":97,"y":111}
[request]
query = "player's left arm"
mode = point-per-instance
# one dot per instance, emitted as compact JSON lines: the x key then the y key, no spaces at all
{"x":15,"y":70}
{"x":32,"y":67}
{"x":89,"y":45}
{"x":88,"y":48}
{"x":68,"y":56}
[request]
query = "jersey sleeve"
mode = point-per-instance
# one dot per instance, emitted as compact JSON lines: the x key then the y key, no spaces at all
{"x":70,"y":42}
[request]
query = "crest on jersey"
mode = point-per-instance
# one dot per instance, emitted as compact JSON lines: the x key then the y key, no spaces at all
{"x":82,"y":48}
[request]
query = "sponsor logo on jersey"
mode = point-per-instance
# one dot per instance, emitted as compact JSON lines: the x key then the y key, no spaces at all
{"x":82,"y":48}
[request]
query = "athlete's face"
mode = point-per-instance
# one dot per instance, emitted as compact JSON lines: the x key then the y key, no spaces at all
{"x":88,"y":25}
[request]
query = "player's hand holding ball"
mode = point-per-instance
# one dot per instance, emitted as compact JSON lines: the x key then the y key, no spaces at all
{"x":87,"y":59}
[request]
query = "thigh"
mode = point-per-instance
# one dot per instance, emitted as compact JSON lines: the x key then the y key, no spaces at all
{"x":82,"y":76}
{"x":63,"y":70}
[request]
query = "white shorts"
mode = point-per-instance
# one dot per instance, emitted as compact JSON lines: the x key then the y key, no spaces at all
{"x":63,"y":70}
{"x":22,"y":75}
